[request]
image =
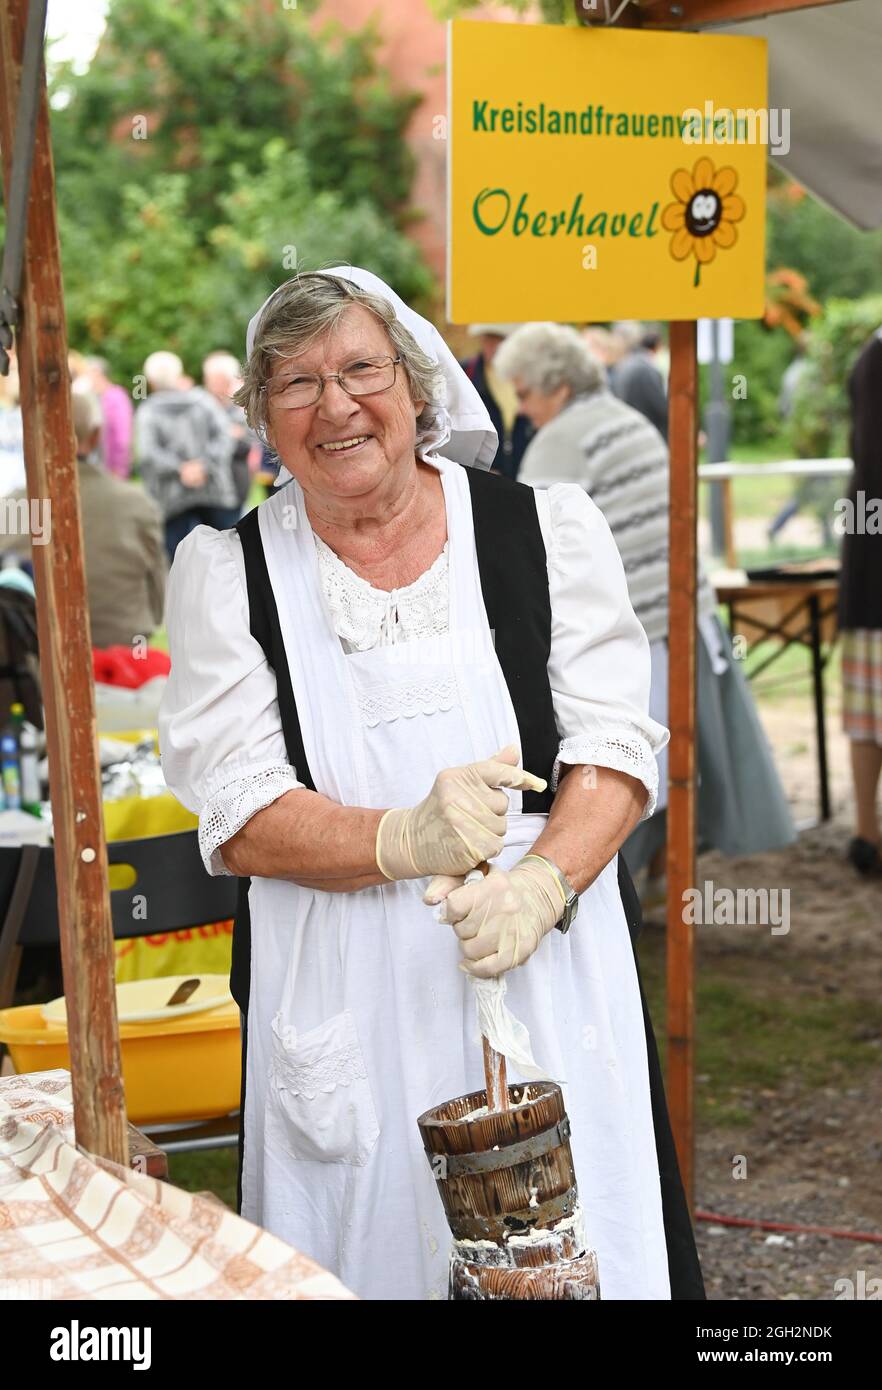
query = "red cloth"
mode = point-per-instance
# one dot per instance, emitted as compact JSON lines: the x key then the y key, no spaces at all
{"x":120,"y":665}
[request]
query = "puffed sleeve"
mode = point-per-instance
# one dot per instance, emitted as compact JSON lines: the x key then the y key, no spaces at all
{"x":598,"y":668}
{"x":220,"y":734}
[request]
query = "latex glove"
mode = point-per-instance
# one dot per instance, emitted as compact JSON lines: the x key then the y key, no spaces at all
{"x":461,"y":821}
{"x":501,"y":920}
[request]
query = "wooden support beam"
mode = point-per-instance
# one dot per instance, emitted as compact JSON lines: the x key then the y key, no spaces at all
{"x":683,"y":568}
{"x":65,"y":640}
{"x":688,"y":14}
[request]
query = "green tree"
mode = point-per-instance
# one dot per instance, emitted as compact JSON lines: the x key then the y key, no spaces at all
{"x":551,"y":11}
{"x":160,"y":287}
{"x":194,"y":86}
{"x":837,"y":260}
{"x":210,"y":147}
{"x":821,"y":416}
{"x":761,"y":357}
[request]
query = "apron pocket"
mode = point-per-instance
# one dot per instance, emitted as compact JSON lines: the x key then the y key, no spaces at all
{"x":320,"y":1105}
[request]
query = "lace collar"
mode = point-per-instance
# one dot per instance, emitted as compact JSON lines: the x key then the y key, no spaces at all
{"x":366,"y":617}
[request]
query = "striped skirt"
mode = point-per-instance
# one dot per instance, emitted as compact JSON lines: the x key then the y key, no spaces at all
{"x":862,"y":684}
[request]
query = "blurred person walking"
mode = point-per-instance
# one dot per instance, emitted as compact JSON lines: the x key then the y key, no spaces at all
{"x":810,"y":493}
{"x":184,"y":447}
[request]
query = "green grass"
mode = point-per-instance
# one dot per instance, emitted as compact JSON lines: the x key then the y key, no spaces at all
{"x":755,"y":1031}
{"x":763,"y":451}
{"x":757,"y":496}
{"x":210,"y":1171}
{"x":790,"y":674}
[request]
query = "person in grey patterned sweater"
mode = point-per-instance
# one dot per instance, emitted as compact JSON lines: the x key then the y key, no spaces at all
{"x":586,"y":435}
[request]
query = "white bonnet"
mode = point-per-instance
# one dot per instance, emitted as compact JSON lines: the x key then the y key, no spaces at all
{"x":463,"y":426}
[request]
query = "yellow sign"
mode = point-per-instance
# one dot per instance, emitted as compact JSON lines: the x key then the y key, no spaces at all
{"x":599,"y":174}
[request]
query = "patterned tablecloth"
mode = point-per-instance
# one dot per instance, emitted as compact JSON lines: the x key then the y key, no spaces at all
{"x":76,"y":1227}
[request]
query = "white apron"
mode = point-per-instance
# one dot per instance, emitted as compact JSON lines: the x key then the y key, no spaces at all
{"x":359,"y":1019}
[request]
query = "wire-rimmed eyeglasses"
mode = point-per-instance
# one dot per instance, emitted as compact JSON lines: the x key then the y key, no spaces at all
{"x":365,"y":377}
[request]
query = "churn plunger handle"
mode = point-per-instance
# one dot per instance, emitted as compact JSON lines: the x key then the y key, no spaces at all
{"x":495,"y":1078}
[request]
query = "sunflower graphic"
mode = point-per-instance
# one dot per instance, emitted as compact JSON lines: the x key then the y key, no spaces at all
{"x":704,"y":214}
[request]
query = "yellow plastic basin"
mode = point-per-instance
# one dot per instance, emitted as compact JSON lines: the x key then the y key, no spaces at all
{"x":186,"y":1069}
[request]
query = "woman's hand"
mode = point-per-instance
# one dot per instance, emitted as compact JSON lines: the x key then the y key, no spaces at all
{"x":461,"y":821}
{"x":500,"y":920}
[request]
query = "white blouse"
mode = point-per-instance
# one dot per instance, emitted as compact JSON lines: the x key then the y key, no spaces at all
{"x":223,"y":750}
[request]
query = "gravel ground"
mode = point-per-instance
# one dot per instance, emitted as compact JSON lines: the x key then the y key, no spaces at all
{"x":813,"y":1156}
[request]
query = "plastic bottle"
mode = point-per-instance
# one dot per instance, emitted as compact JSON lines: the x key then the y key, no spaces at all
{"x":28,"y":762}
{"x":10,"y":766}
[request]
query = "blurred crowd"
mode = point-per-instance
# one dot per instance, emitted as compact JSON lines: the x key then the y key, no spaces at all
{"x":164,"y":454}
{"x":194,"y":455}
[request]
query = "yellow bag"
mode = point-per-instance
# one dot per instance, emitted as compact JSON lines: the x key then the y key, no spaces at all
{"x":204,"y":950}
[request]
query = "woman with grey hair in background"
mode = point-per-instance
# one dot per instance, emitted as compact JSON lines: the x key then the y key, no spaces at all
{"x":589,"y":437}
{"x":362,"y":670}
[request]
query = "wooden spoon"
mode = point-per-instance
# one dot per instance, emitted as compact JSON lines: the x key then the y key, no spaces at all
{"x":183,"y":992}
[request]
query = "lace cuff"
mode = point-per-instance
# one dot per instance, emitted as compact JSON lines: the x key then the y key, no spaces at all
{"x":627,"y":751}
{"x":235,"y":803}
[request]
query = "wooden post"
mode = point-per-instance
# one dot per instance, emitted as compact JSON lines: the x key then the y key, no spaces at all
{"x":65,"y":639}
{"x":687,"y":14}
{"x":683,"y":433}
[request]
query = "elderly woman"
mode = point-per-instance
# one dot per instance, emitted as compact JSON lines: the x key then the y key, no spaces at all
{"x":356,"y":668}
{"x":588,"y":437}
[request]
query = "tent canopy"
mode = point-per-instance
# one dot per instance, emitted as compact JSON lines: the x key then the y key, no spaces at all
{"x":824,"y":67}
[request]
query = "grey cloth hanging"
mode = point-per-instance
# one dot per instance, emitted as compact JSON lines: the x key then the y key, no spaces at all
{"x":20,"y":179}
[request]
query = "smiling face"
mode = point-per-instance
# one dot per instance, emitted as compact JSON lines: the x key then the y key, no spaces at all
{"x":383,"y":426}
{"x":703,"y":212}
